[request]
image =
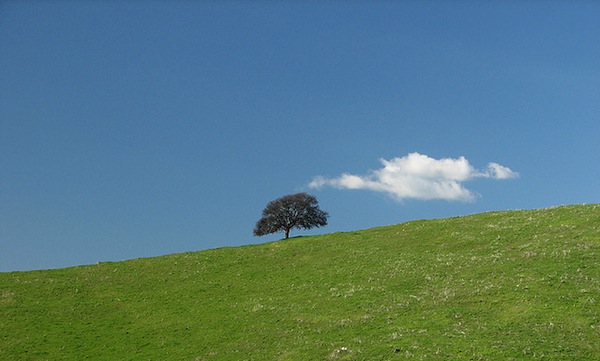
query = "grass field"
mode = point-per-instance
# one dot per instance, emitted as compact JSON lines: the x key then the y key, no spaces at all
{"x":494,"y":286}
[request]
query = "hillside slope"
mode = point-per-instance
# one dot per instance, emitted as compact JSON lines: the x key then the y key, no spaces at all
{"x":500,"y":285}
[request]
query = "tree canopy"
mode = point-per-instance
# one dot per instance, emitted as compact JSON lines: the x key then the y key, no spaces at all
{"x":300,"y":210}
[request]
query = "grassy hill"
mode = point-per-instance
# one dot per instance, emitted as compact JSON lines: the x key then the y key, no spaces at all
{"x":500,"y":285}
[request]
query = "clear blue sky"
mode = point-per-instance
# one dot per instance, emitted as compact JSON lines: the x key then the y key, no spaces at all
{"x":142,"y":128}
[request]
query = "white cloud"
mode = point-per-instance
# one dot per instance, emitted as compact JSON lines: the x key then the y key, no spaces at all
{"x":419,"y":176}
{"x":498,"y":171}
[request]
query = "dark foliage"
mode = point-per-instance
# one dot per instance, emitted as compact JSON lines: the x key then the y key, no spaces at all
{"x":298,"y":210}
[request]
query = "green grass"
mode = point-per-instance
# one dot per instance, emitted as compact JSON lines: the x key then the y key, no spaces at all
{"x":501,"y":285}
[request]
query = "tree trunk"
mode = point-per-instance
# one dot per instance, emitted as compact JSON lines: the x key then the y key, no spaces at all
{"x":287,"y":233}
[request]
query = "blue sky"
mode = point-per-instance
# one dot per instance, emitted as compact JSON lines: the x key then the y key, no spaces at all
{"x":136,"y":129}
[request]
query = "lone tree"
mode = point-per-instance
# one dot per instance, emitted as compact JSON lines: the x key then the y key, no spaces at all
{"x":298,"y":210}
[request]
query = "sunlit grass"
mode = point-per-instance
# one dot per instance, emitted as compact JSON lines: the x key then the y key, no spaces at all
{"x":500,"y":285}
